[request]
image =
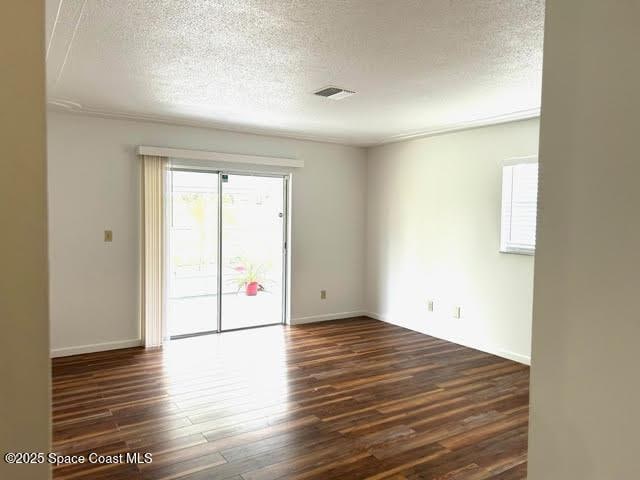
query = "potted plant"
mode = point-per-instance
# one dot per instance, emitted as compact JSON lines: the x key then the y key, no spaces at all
{"x":249,"y":276}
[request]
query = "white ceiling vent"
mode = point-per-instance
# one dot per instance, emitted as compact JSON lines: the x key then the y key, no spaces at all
{"x":334,"y":93}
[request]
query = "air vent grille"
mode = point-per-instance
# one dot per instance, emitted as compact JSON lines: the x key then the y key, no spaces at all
{"x":334,"y":93}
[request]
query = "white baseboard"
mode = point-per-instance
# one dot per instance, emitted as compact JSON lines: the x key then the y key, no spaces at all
{"x":96,"y":347}
{"x":101,"y":347}
{"x":516,"y":357}
{"x":327,"y":317}
{"x":376,"y":316}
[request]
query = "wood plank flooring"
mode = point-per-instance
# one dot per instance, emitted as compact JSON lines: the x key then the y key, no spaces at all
{"x":349,"y":399}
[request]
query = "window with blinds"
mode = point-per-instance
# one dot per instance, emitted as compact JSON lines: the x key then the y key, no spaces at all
{"x":519,"y":206}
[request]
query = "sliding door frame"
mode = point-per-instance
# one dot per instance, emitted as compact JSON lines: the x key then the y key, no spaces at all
{"x":285,"y":244}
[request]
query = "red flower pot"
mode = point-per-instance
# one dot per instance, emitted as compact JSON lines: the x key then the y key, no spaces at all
{"x":252,"y":289}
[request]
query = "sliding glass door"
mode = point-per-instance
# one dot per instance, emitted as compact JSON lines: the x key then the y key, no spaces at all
{"x":192,"y":304}
{"x":227,"y":251}
{"x":253,"y":241}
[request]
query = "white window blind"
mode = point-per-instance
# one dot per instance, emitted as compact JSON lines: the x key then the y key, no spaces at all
{"x":519,"y":207}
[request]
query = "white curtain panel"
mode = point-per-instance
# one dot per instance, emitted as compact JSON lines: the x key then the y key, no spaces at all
{"x":152,"y":277}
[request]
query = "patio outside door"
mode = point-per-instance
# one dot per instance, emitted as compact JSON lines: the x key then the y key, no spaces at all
{"x":253,"y":242}
{"x":227,"y":251}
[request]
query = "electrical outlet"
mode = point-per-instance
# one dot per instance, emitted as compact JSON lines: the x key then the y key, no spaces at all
{"x":430,"y":305}
{"x":457,"y":312}
{"x":323,"y":294}
{"x":108,"y":236}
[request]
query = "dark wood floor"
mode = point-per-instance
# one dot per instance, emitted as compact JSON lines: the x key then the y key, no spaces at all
{"x":350,"y":399}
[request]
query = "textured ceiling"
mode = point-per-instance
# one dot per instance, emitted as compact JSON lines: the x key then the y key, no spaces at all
{"x":418,"y":66}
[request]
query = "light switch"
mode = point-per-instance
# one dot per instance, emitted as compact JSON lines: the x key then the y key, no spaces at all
{"x":108,"y":236}
{"x":323,"y":294}
{"x":430,"y":305}
{"x":457,"y":312}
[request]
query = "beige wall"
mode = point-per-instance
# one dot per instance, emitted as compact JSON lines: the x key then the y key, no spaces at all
{"x":586,"y":327}
{"x":94,"y":185}
{"x":24,"y":342}
{"x":433,"y":232}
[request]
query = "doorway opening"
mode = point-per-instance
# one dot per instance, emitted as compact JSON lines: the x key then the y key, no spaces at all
{"x":227,"y":251}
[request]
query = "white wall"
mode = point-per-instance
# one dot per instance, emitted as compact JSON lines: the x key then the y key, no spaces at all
{"x":433,"y":232}
{"x":585,"y":383}
{"x":94,"y":185}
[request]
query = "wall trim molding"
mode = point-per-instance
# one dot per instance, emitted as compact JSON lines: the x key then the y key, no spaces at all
{"x":101,"y":347}
{"x":516,"y":357}
{"x":377,"y":316}
{"x":327,"y":317}
{"x":461,"y":126}
{"x":70,"y":106}
{"x":95,"y":347}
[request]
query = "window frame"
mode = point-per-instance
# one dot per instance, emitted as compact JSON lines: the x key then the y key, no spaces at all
{"x":504,"y":247}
